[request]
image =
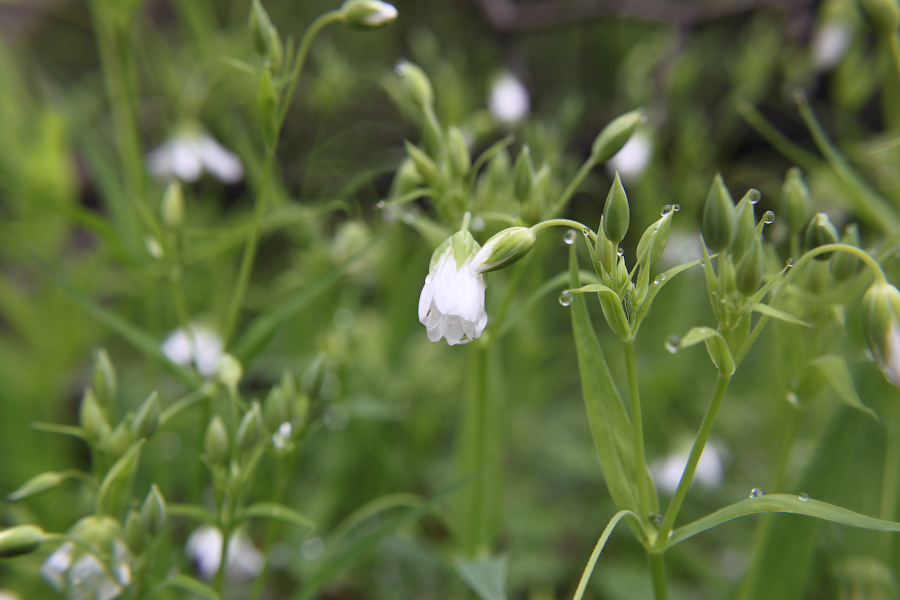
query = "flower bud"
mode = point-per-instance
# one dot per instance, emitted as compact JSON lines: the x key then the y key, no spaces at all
{"x":745,"y":221}
{"x":172,"y":208}
{"x":749,"y":270}
{"x":845,"y":264}
{"x":615,"y":212}
{"x":230,"y":371}
{"x":275,"y":409}
{"x":266,"y":40}
{"x":718,"y":216}
{"x":147,"y":418}
{"x":37,"y":484}
{"x":153,"y":511}
{"x":605,"y":250}
{"x":119,"y":440}
{"x":406,"y":179}
{"x":881,"y":311}
{"x":91,"y":416}
{"x":216,"y":442}
{"x":416,"y":83}
{"x":266,"y":105}
{"x":460,"y":159}
{"x":314,"y":376}
{"x":21,"y":539}
{"x":133,"y":532}
{"x":424,"y":165}
{"x":503,"y":249}
{"x":367,"y":14}
{"x":105,"y":382}
{"x":795,"y":202}
{"x":819,"y":233}
{"x":655,"y":237}
{"x":884,"y":15}
{"x":616,"y":134}
{"x":249,"y":430}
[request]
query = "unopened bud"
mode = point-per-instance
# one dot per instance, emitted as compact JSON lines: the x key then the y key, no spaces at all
{"x":249,"y":430}
{"x":266,"y":40}
{"x":616,"y":214}
{"x":367,"y":14}
{"x":172,"y":208}
{"x":216,"y":442}
{"x":795,"y":202}
{"x":267,"y":106}
{"x":105,"y":382}
{"x":153,"y":511}
{"x":119,"y":440}
{"x":424,"y":165}
{"x":134,"y":533}
{"x":749,"y":270}
{"x":22,"y":539}
{"x":91,"y":416}
{"x":230,"y":371}
{"x":884,"y":15}
{"x":406,"y":179}
{"x":819,"y":233}
{"x":745,"y":230}
{"x":460,"y":159}
{"x":275,"y":409}
{"x":718,"y":216}
{"x":503,"y":249}
{"x":655,"y":239}
{"x":616,"y":134}
{"x":881,"y":310}
{"x":416,"y":83}
{"x":147,"y":417}
{"x":314,"y":375}
{"x":37,"y":484}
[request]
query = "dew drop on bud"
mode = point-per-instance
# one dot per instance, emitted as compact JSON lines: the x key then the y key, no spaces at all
{"x":757,"y":492}
{"x":672,"y":343}
{"x":803,"y":497}
{"x":565,"y":298}
{"x":789,"y":263}
{"x":666,"y":209}
{"x":676,"y":207}
{"x":755,"y":198}
{"x":570,"y":236}
{"x":656,"y":519}
{"x":380,"y":204}
{"x":478,"y":224}
{"x":586,"y":231}
{"x":769,"y":217}
{"x":620,"y":251}
{"x":659,"y":278}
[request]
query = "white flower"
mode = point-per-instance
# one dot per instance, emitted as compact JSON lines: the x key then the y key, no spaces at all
{"x":452,"y":301}
{"x":368,"y":13}
{"x":186,"y":154}
{"x":667,"y":471}
{"x":830,"y":42}
{"x":203,"y":347}
{"x":633,"y":158}
{"x":243,"y":561}
{"x":7,"y":595}
{"x":509,"y":101}
{"x":81,"y":575}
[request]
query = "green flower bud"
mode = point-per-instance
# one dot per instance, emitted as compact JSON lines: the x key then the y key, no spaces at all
{"x":249,"y":430}
{"x":523,"y":174}
{"x":795,"y":202}
{"x":845,"y":264}
{"x":616,"y":213}
{"x":266,"y":105}
{"x":266,"y":40}
{"x":275,"y":409}
{"x":172,"y":208}
{"x":105,"y":382}
{"x":745,"y":219}
{"x":134,"y":533}
{"x":21,"y":539}
{"x":881,"y":311}
{"x":718,"y":217}
{"x":314,"y":376}
{"x":147,"y":418}
{"x":367,"y":14}
{"x":655,"y":238}
{"x":91,"y":416}
{"x":406,"y":179}
{"x":98,"y":532}
{"x":153,"y":511}
{"x":119,"y":440}
{"x":216,"y":442}
{"x":749,"y":270}
{"x":460,"y":159}
{"x":503,"y":249}
{"x":230,"y":371}
{"x":424,"y":165}
{"x":819,"y":233}
{"x":616,"y":134}
{"x":416,"y":83}
{"x":301,"y":411}
{"x":884,"y":15}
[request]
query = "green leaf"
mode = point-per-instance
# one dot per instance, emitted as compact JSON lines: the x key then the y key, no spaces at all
{"x":185,"y":583}
{"x":601,"y":543}
{"x":62,"y":429}
{"x":767,"y":310}
{"x":486,"y":576}
{"x":835,"y":370}
{"x":610,"y":426}
{"x":115,"y":489}
{"x":715,"y":345}
{"x":781,"y":503}
{"x":697,"y":335}
{"x":592,"y":287}
{"x":279,"y":512}
{"x":191,"y":511}
{"x":663,"y":279}
{"x":43,"y":482}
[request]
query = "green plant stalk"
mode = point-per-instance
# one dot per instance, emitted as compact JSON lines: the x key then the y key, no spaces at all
{"x":282,"y":470}
{"x":567,"y":194}
{"x":638,"y":428}
{"x":658,"y":575}
{"x":696,"y":451}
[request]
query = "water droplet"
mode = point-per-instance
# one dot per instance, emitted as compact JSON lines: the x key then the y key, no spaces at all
{"x":676,"y":207}
{"x":722,"y":301}
{"x":586,"y":231}
{"x":803,"y":497}
{"x":660,"y":278}
{"x":672,"y":343}
{"x":755,"y":198}
{"x":477,"y":224}
{"x":702,"y":330}
{"x":789,"y":263}
{"x":793,"y":399}
{"x":565,"y":298}
{"x":380,"y":204}
{"x":666,"y":209}
{"x":409,"y":218}
{"x":656,"y":519}
{"x":769,"y":217}
{"x":757,"y":492}
{"x":570,"y":236}
{"x":620,"y":251}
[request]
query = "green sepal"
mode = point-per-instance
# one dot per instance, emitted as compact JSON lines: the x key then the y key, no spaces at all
{"x":115,"y":489}
{"x":616,"y":134}
{"x":795,"y":201}
{"x":745,"y":224}
{"x":718,"y":216}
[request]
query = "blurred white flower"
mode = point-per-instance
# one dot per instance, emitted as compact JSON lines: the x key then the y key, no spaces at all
{"x":7,"y":595}
{"x":509,"y":101}
{"x":452,"y":301}
{"x":243,"y":561}
{"x":203,"y":347}
{"x":633,"y":158}
{"x":829,"y":44}
{"x":667,"y":471}
{"x":81,"y":575}
{"x":681,"y":247}
{"x":186,"y":154}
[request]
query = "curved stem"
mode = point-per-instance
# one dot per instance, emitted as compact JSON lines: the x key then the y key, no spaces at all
{"x":696,"y":451}
{"x":573,"y":185}
{"x":565,"y":223}
{"x":638,"y":429}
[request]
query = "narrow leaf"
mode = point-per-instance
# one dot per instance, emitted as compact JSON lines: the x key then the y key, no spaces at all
{"x":61,"y":429}
{"x":835,"y":369}
{"x":115,"y":489}
{"x":663,"y":279}
{"x":279,"y":512}
{"x":191,"y":511}
{"x":601,"y":543}
{"x":486,"y":576}
{"x":778,"y":314}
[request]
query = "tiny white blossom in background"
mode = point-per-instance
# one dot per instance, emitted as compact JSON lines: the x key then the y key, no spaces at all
{"x":681,"y":247}
{"x":633,"y":158}
{"x":830,"y":43}
{"x":188,"y":153}
{"x":452,"y":301}
{"x":80,"y":574}
{"x":509,"y":101}
{"x":243,"y":561}
{"x":202,"y":348}
{"x":7,"y":595}
{"x":668,"y":470}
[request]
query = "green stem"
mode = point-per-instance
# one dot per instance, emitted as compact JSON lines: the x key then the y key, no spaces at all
{"x":696,"y":451}
{"x":565,"y":223}
{"x":638,"y":429}
{"x":658,"y":575}
{"x":573,"y":185}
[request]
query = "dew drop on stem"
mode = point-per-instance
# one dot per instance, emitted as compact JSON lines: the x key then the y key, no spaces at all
{"x":769,"y":217}
{"x":757,"y":492}
{"x":570,"y":236}
{"x":672,"y":343}
{"x":659,"y":278}
{"x":803,"y":497}
{"x":565,"y":298}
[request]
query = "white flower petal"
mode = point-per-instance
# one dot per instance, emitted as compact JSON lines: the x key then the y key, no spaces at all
{"x":222,"y":163}
{"x":830,"y":43}
{"x":633,"y":158}
{"x":509,"y":101}
{"x":451,"y":304}
{"x":186,"y":163}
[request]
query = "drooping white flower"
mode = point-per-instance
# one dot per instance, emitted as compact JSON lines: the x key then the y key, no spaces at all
{"x":368,"y":14}
{"x":509,"y":101}
{"x":243,"y":561}
{"x":81,"y":575}
{"x":881,"y":323}
{"x":202,"y":347}
{"x":8,"y":595}
{"x":633,"y":158}
{"x":451,"y":305}
{"x":830,"y":43}
{"x":668,"y":470}
{"x":188,"y":153}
